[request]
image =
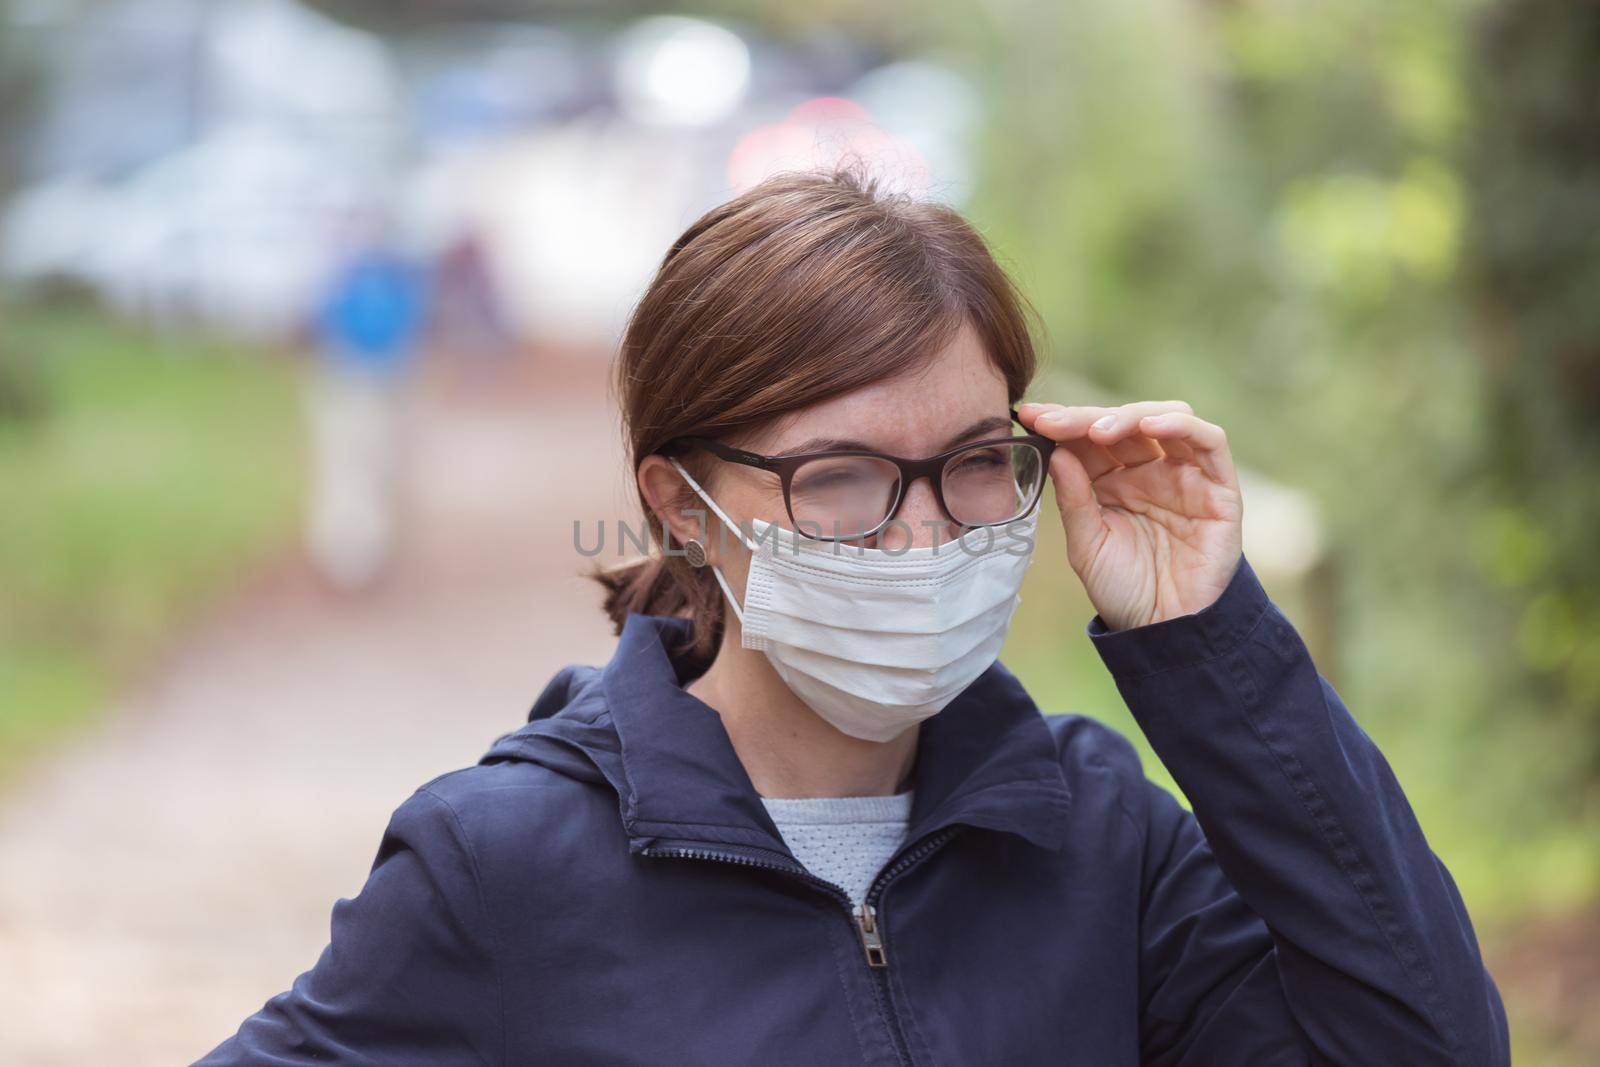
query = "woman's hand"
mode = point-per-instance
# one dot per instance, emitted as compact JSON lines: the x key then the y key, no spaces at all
{"x":1151,"y":504}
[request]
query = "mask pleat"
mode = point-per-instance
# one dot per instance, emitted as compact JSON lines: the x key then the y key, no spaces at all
{"x":876,"y":641}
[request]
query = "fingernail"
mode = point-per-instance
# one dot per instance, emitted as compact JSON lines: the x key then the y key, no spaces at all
{"x":1105,"y":422}
{"x":1052,"y":416}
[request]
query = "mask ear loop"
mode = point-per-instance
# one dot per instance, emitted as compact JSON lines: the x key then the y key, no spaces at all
{"x":716,"y":571}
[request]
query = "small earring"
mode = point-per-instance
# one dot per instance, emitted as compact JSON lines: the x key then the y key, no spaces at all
{"x":694,"y":552}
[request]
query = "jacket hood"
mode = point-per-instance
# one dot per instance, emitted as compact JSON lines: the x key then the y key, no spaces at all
{"x":988,"y":759}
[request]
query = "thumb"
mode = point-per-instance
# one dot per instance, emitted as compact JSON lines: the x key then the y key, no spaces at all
{"x":1080,"y":508}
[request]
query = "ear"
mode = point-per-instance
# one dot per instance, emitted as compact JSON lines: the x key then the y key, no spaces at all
{"x":675,"y":504}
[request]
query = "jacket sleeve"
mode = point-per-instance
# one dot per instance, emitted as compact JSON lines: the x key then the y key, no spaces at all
{"x":1298,"y":913}
{"x":409,"y":975}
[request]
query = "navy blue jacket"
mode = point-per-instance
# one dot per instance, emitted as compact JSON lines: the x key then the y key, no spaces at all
{"x":605,"y":887}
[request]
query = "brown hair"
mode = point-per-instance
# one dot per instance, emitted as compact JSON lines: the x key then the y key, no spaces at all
{"x":803,"y":288}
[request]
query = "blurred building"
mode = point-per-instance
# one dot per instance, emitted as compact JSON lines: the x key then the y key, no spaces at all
{"x":196,"y":158}
{"x":216,"y":161}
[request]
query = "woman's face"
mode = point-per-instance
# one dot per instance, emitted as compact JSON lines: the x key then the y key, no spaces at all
{"x":955,"y":397}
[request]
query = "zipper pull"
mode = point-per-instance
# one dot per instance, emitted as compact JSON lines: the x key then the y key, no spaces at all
{"x":867,"y":922}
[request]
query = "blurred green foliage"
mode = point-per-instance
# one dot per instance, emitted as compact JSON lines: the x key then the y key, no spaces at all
{"x":1281,"y":213}
{"x":1535,"y":168}
{"x":1364,"y":238}
{"x":140,"y":474}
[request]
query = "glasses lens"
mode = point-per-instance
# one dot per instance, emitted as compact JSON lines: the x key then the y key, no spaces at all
{"x":992,"y":483}
{"x":842,"y":497}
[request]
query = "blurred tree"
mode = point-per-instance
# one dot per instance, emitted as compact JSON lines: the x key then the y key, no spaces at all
{"x":1267,"y":210}
{"x":1535,"y":170}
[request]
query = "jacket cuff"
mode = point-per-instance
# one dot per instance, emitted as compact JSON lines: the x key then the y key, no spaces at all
{"x":1186,"y":640}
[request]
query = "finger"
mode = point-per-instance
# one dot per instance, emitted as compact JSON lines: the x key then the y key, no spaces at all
{"x":1123,"y":421}
{"x":1109,"y":431}
{"x":1206,"y":441}
{"x":1069,"y":427}
{"x":1134,"y":450}
{"x":1177,"y":450}
{"x":1119,"y":430}
{"x":1081,"y":517}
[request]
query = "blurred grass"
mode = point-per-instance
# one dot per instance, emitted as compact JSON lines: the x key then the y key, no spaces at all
{"x":142,"y":474}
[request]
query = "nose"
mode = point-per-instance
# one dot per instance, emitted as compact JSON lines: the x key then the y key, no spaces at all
{"x":919,"y":523}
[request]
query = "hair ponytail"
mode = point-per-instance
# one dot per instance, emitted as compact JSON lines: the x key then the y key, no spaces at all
{"x":651,"y":585}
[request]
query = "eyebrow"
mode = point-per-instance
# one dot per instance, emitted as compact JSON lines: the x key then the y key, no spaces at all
{"x":983,"y":427}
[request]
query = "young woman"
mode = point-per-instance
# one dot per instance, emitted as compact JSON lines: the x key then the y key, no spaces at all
{"x":803,"y":816}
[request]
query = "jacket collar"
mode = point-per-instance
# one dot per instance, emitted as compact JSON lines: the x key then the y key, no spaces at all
{"x":987,"y":759}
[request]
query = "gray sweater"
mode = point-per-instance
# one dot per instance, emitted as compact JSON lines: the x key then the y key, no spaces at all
{"x":845,"y":840}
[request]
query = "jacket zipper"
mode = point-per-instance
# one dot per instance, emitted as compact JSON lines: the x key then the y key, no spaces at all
{"x":864,"y":917}
{"x":872,"y":934}
{"x":867,"y":923}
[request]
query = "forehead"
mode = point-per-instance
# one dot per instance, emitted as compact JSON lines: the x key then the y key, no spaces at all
{"x":914,"y":413}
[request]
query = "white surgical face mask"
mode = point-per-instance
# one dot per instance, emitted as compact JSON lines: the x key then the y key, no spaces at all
{"x":875,"y":641}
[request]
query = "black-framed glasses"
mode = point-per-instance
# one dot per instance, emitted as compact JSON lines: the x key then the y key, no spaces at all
{"x":846,"y":494}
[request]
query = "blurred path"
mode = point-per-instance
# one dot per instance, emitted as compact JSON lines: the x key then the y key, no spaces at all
{"x":163,"y":878}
